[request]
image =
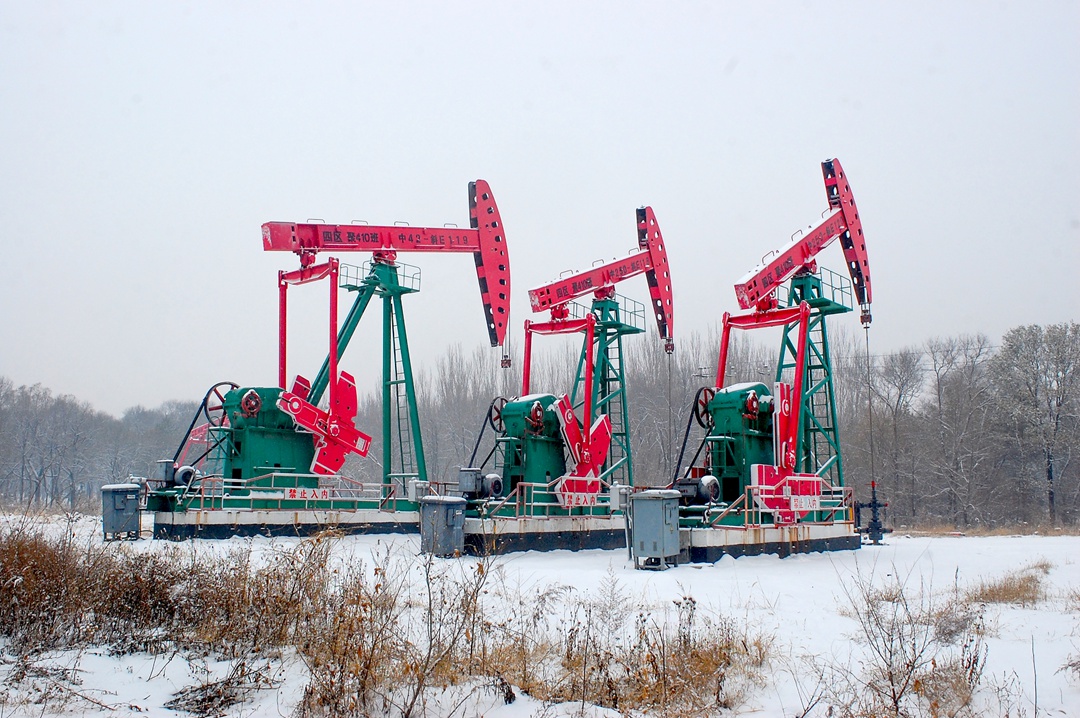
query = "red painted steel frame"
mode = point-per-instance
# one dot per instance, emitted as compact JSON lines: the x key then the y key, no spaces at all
{"x":485,"y":240}
{"x":303,"y":276}
{"x":334,"y":430}
{"x":758,"y":288}
{"x":583,"y":451}
{"x":761,"y":320}
{"x":565,"y":326}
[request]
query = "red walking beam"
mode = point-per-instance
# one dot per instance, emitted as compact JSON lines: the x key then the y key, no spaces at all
{"x":758,"y":288}
{"x":650,"y":259}
{"x":485,"y":240}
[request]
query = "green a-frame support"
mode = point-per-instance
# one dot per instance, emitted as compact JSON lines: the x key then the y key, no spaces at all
{"x":403,"y":459}
{"x":818,"y":449}
{"x":609,"y":386}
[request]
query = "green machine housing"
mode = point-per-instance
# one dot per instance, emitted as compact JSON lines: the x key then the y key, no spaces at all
{"x":264,"y":442}
{"x":739,"y":434}
{"x":532,"y":449}
{"x":257,"y":448}
{"x":739,"y":418}
{"x":742,"y":435}
{"x":530,"y":458}
{"x":529,"y":450}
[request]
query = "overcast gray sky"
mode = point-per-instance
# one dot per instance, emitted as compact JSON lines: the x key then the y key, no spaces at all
{"x":145,"y":143}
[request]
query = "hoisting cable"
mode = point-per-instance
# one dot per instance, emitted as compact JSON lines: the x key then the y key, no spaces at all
{"x":869,"y":401}
{"x":670,"y":414}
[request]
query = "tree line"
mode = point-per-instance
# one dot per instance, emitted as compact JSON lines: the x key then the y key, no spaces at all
{"x":956,"y":430}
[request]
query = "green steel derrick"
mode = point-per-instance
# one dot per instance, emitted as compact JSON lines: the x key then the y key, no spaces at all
{"x":774,"y":452}
{"x":403,"y":445}
{"x":818,"y":442}
{"x":609,"y":385}
{"x":593,"y":418}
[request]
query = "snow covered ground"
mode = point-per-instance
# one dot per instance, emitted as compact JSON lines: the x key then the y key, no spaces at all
{"x":799,"y":601}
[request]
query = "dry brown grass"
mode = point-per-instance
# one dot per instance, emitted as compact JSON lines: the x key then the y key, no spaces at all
{"x":1005,"y":530}
{"x":603,"y":649}
{"x":925,"y":652}
{"x":1072,"y":600}
{"x":376,"y":638}
{"x":1024,"y":587}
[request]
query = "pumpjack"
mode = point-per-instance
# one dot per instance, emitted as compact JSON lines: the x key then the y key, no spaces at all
{"x":565,"y":456}
{"x":768,"y":474}
{"x":269,"y":459}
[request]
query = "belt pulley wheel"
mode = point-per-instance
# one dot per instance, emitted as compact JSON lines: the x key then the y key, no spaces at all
{"x":495,"y":419}
{"x":702,"y":400}
{"x":213,"y":404}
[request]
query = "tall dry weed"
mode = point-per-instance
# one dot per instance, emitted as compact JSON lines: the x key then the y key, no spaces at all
{"x":377,"y":637}
{"x":609,"y":650}
{"x":1025,"y":587}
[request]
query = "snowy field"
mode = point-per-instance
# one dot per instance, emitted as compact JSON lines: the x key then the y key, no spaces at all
{"x":800,"y":602}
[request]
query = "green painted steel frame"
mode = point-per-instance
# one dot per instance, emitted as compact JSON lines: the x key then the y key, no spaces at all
{"x":818,"y":448}
{"x":383,"y":280}
{"x":609,"y":386}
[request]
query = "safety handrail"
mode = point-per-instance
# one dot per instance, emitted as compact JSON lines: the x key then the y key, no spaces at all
{"x":525,"y":503}
{"x":207,"y":492}
{"x":746,"y":504}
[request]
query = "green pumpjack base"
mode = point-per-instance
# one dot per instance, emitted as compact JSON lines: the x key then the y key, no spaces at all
{"x":783,"y":549}
{"x":494,"y":536}
{"x":218,"y":524}
{"x":481,"y":545}
{"x":709,"y":545}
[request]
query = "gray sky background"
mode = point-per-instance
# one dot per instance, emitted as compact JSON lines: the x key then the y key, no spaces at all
{"x":145,"y":144}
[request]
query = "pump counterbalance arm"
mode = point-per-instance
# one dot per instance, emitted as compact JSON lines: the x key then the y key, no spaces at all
{"x":485,"y":240}
{"x":758,"y":288}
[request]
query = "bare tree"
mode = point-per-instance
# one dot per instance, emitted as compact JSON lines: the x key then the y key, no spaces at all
{"x":1035,"y":376}
{"x":896,"y":386}
{"x":964,"y":434}
{"x":957,"y":418}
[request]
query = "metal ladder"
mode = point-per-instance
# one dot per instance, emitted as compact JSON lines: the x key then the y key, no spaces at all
{"x":820,"y":436}
{"x":612,"y":402}
{"x":406,"y":454}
